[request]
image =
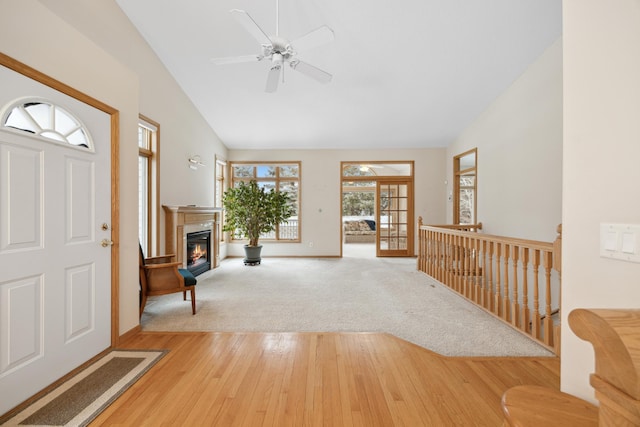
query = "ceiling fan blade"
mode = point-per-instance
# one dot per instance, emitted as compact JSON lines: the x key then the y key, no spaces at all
{"x":311,"y":71}
{"x":273,"y":77}
{"x":251,"y":26}
{"x":236,"y":59}
{"x":314,"y":38}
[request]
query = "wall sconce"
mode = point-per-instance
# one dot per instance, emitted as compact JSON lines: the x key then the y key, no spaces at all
{"x":195,"y":161}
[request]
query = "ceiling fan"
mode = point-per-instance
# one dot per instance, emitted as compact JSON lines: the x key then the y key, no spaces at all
{"x":280,"y":50}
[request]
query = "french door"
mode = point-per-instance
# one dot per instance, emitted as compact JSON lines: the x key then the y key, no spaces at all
{"x":394,"y":214}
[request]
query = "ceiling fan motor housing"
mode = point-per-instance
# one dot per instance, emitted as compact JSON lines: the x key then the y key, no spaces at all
{"x":281,"y":46}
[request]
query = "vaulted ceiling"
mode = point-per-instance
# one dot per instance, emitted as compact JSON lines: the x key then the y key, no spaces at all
{"x":406,"y":74}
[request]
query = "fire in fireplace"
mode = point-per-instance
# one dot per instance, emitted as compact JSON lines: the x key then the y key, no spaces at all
{"x":198,"y":250}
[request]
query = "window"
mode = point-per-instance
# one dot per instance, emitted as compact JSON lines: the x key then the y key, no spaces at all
{"x":221,"y":172}
{"x":148,"y":154}
{"x":357,"y":170}
{"x":43,"y":118}
{"x":279,"y":176}
{"x":465,"y":183}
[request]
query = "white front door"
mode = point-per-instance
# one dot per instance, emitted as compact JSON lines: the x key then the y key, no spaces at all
{"x":55,"y":276}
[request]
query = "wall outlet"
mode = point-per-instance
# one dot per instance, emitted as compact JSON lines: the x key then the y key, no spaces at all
{"x":310,"y":244}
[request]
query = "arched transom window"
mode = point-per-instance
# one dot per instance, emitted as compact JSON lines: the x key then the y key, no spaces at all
{"x":48,"y":120}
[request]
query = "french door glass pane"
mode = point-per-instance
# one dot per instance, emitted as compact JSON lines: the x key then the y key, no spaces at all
{"x":393,"y":205}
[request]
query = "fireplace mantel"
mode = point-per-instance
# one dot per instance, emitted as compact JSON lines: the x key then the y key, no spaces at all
{"x":180,"y":220}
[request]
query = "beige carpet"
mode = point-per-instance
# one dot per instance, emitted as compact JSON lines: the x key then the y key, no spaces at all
{"x":331,"y":294}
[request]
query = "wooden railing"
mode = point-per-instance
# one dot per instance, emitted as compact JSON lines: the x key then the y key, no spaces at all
{"x":614,"y":335}
{"x":516,"y":280}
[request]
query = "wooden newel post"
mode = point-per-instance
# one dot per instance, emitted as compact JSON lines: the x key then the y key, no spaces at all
{"x":557,"y":250}
{"x":615,"y":336}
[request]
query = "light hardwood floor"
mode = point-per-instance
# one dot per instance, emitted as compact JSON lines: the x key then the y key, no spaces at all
{"x":316,"y":379}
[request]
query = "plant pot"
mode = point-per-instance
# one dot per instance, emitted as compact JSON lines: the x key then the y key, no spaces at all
{"x":252,"y":254}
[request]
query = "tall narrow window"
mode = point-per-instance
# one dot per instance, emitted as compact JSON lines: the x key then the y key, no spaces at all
{"x":283,"y":177}
{"x":465,"y":183}
{"x":221,"y":172}
{"x":148,"y":155}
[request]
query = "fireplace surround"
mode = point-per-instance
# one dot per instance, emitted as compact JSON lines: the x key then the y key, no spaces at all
{"x":181,"y":221}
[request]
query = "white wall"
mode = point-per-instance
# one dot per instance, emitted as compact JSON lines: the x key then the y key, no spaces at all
{"x":600,"y":171}
{"x":54,"y":48}
{"x":519,"y":141}
{"x":92,"y":47}
{"x":183,"y":131}
{"x":321,"y":193}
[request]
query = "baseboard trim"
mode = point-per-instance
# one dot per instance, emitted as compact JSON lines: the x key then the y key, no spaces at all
{"x":131,"y":332}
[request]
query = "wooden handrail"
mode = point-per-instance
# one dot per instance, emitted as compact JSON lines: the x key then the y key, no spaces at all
{"x":615,"y":336}
{"x":461,"y":227}
{"x":506,"y":276}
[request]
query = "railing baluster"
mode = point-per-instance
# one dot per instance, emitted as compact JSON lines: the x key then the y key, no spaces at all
{"x":449,"y":252}
{"x":525,"y":291}
{"x":535,"y":324}
{"x":515,"y":305}
{"x":450,"y":256}
{"x":483,"y":279}
{"x":459,"y":264}
{"x":491,"y":283}
{"x":466,"y":253}
{"x":505,"y":294}
{"x":435,"y":254}
{"x":455,"y":270}
{"x":498,"y":290}
{"x":486,"y":269}
{"x":441,"y":257}
{"x":477,"y":290}
{"x":548,"y":319}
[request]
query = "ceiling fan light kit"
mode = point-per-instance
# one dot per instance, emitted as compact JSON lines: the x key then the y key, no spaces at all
{"x":279,"y":50}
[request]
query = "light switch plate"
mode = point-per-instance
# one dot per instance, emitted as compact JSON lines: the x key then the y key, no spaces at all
{"x":620,"y":241}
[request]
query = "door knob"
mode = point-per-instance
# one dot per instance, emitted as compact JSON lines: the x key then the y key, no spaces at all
{"x":106,"y":242}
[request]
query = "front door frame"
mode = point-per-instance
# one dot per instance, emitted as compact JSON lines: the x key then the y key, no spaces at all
{"x":40,"y":77}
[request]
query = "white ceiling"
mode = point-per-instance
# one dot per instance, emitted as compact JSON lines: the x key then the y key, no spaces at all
{"x":406,"y":74}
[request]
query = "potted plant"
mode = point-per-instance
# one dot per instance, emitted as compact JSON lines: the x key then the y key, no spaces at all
{"x":250,"y":211}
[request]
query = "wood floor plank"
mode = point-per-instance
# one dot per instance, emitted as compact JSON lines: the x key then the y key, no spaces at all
{"x":316,"y":379}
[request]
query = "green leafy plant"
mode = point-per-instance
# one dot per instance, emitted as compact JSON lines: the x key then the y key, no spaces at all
{"x":250,"y":210}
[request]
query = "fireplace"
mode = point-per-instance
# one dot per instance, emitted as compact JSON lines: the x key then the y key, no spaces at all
{"x":198,"y":252}
{"x":183,"y":220}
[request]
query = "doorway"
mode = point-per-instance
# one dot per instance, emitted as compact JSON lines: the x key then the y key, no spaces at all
{"x":376,"y":209}
{"x":57,"y":222}
{"x":358,"y":219}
